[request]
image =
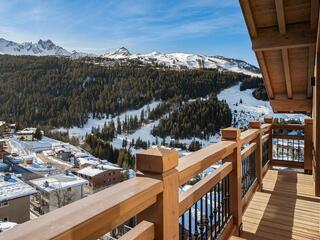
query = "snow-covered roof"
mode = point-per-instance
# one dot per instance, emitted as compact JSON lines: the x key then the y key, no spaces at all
{"x":61,"y":149}
{"x":95,"y":170}
{"x":108,"y":167}
{"x":58,"y":182}
{"x":81,"y":155}
{"x":2,"y":123}
{"x":91,"y":171}
{"x":4,"y":226}
{"x":13,"y":188}
{"x":89,"y":161}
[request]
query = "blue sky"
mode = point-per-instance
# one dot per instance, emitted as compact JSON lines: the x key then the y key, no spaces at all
{"x":211,"y":27}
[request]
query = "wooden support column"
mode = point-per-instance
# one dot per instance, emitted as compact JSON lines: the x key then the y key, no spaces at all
{"x":233,"y":134}
{"x":160,"y":163}
{"x":258,"y":155}
{"x":269,"y":120}
{"x":308,"y":145}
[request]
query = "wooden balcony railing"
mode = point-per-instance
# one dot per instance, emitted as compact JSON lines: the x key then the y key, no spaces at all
{"x":212,"y":208}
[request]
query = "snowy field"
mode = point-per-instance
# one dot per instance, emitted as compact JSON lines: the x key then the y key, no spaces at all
{"x":248,"y":110}
{"x":95,"y":122}
{"x":251,"y":108}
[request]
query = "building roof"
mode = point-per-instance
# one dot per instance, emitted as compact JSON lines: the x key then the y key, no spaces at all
{"x":284,"y":35}
{"x":96,"y":170}
{"x":108,"y":167}
{"x":89,"y":161}
{"x":2,"y":123}
{"x":14,"y":188}
{"x":91,"y":171}
{"x":58,"y":182}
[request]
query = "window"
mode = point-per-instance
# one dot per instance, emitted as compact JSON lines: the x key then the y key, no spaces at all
{"x":4,"y":204}
{"x":69,"y":189}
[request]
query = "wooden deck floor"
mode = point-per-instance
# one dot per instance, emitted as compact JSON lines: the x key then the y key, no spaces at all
{"x":285,"y":209}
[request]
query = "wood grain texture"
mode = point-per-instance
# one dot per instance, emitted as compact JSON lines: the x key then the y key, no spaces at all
{"x":192,"y":164}
{"x":91,"y":217}
{"x":286,"y":208}
{"x":143,"y":231}
{"x":280,"y":16}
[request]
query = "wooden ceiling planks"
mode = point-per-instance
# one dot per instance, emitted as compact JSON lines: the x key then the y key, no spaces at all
{"x":283,"y":35}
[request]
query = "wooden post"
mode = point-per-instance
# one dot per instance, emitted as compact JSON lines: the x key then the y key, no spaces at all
{"x":233,"y":134}
{"x":161,"y":163}
{"x":258,"y":155}
{"x":270,"y":121}
{"x":308,"y":145}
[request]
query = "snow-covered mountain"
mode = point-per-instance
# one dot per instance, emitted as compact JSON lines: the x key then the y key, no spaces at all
{"x":41,"y":48}
{"x":184,"y":60}
{"x":172,"y":60}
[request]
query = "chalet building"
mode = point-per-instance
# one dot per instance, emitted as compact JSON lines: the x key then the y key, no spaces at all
{"x":100,"y":176}
{"x":63,"y":154}
{"x":259,"y":191}
{"x":1,"y":149}
{"x":56,"y":191}
{"x":26,"y":134}
{"x":62,"y":151}
{"x":14,"y":199}
{"x":2,"y":127}
{"x":27,"y":168}
{"x":7,"y":128}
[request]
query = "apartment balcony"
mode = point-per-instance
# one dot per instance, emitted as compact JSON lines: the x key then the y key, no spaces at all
{"x":262,"y":190}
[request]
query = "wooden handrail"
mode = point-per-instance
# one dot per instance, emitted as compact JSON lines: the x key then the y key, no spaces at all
{"x":286,"y":136}
{"x":143,"y":231}
{"x":91,"y":217}
{"x":288,"y":126}
{"x":192,"y":195}
{"x":266,"y":127}
{"x":265,"y":137}
{"x":190,"y":165}
{"x":248,"y":150}
{"x":248,"y":136}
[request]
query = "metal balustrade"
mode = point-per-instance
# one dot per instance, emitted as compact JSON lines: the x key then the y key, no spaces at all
{"x":248,"y":172}
{"x":209,"y":215}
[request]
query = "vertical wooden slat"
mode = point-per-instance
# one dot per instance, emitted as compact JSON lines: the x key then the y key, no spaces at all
{"x":160,"y":163}
{"x":270,"y":121}
{"x":286,"y":68}
{"x":233,"y":134}
{"x":314,"y":14}
{"x":280,"y":16}
{"x":246,"y":9}
{"x":264,"y":70}
{"x":258,"y":154}
{"x":308,"y":145}
{"x":311,"y":60}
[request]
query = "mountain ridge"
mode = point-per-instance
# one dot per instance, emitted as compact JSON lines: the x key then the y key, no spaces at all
{"x":172,"y":60}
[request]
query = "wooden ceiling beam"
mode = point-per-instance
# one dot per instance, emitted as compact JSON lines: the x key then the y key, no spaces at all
{"x":265,"y":72}
{"x":248,"y":16}
{"x":286,"y":68}
{"x":296,"y":36}
{"x":311,"y":62}
{"x":314,"y":14}
{"x":280,"y":16}
{"x":291,"y":105}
